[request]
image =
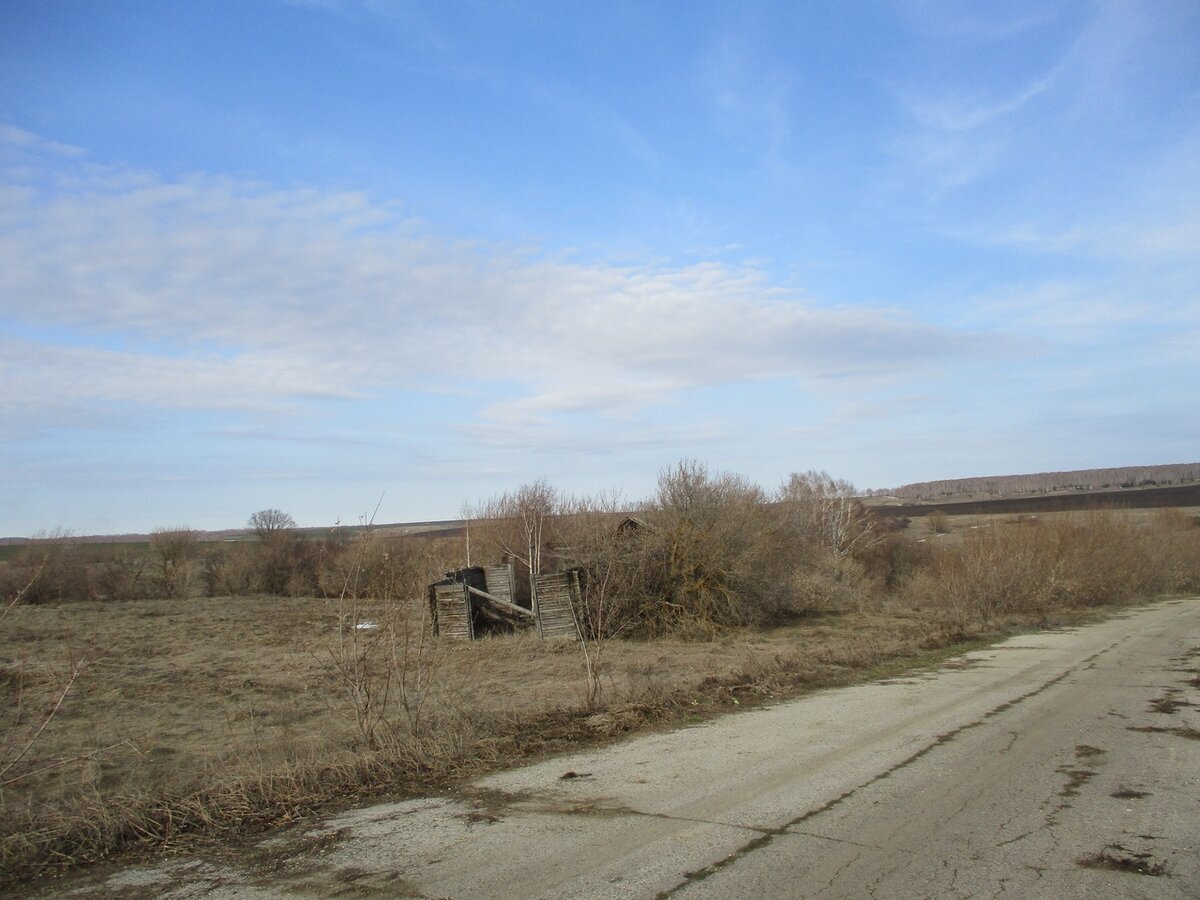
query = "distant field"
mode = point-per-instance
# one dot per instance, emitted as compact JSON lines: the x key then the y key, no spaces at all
{"x":957,"y":527}
{"x":1133,"y":498}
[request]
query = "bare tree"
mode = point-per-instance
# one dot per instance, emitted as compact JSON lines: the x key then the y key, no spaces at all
{"x":826,"y":511}
{"x":284,"y":560}
{"x":270,"y":524}
{"x":516,"y":524}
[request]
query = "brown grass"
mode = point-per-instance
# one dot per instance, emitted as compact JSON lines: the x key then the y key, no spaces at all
{"x":226,"y":718}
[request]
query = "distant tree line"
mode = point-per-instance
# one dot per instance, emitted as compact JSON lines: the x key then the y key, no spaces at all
{"x":707,"y":550}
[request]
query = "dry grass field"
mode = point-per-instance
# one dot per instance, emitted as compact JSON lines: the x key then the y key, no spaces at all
{"x":213,"y":717}
{"x":190,"y":695}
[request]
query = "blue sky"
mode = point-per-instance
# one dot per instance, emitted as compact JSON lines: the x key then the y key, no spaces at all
{"x":307,"y":254}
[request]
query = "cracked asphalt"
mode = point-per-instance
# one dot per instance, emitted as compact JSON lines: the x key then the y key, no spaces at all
{"x":1063,"y":764}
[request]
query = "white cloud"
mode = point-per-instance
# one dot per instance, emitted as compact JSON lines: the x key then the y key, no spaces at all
{"x":12,"y":136}
{"x":211,"y":293}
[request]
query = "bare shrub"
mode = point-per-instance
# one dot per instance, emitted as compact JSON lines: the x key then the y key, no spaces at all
{"x":705,"y":527}
{"x":383,"y":655}
{"x":122,"y":576}
{"x":373,"y":565}
{"x":939,"y":522}
{"x":1100,"y":558}
{"x":26,"y":719}
{"x":712,"y":550}
{"x":828,"y":583}
{"x":173,"y":550}
{"x":894,"y":559}
{"x":281,"y":562}
{"x":1035,"y":567}
{"x":49,"y":569}
{"x":230,"y":569}
{"x":33,"y":699}
{"x":1178,"y":554}
{"x":615,"y":557}
{"x":996,"y":570}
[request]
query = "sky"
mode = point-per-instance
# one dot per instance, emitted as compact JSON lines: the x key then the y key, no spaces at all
{"x":324,"y":255}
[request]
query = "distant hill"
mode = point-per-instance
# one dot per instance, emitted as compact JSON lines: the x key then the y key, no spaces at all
{"x":994,"y":486}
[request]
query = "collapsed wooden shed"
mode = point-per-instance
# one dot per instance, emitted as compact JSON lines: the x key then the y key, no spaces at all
{"x":482,"y":599}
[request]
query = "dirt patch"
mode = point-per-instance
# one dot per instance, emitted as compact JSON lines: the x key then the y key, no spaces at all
{"x":1184,"y":731}
{"x":1169,"y":703}
{"x":1121,"y":859}
{"x":1129,"y":794}
{"x":1076,"y":778}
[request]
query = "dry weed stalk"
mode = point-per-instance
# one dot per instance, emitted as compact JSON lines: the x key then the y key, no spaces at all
{"x":414,"y":665}
{"x":594,"y":541}
{"x":365,"y":686}
{"x":22,"y":732}
{"x":23,"y":728}
{"x":387,"y":659}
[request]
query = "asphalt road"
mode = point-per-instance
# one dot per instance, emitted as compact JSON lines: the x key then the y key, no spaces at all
{"x":1058,"y":765}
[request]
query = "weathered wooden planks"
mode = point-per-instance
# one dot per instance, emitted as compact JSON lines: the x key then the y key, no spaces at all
{"x":558,"y":597}
{"x":500,"y":582}
{"x":452,"y":611}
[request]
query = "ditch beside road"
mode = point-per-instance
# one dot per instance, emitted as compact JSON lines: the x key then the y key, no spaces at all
{"x":1062,"y":764}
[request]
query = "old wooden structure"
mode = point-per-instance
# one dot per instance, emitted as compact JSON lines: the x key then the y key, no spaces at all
{"x":557,"y":601}
{"x":482,"y":599}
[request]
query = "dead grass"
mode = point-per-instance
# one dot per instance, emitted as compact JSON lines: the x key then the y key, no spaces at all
{"x":225,"y":721}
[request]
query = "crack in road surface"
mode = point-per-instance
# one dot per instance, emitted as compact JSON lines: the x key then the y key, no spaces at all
{"x":770,"y":834}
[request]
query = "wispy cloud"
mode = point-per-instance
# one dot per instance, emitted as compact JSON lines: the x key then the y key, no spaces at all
{"x":1059,"y":310}
{"x":977,"y":22}
{"x":241,"y":296}
{"x":750,"y":96}
{"x":956,"y":135}
{"x":1149,"y":216}
{"x":960,"y":111}
{"x":27,"y":140}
